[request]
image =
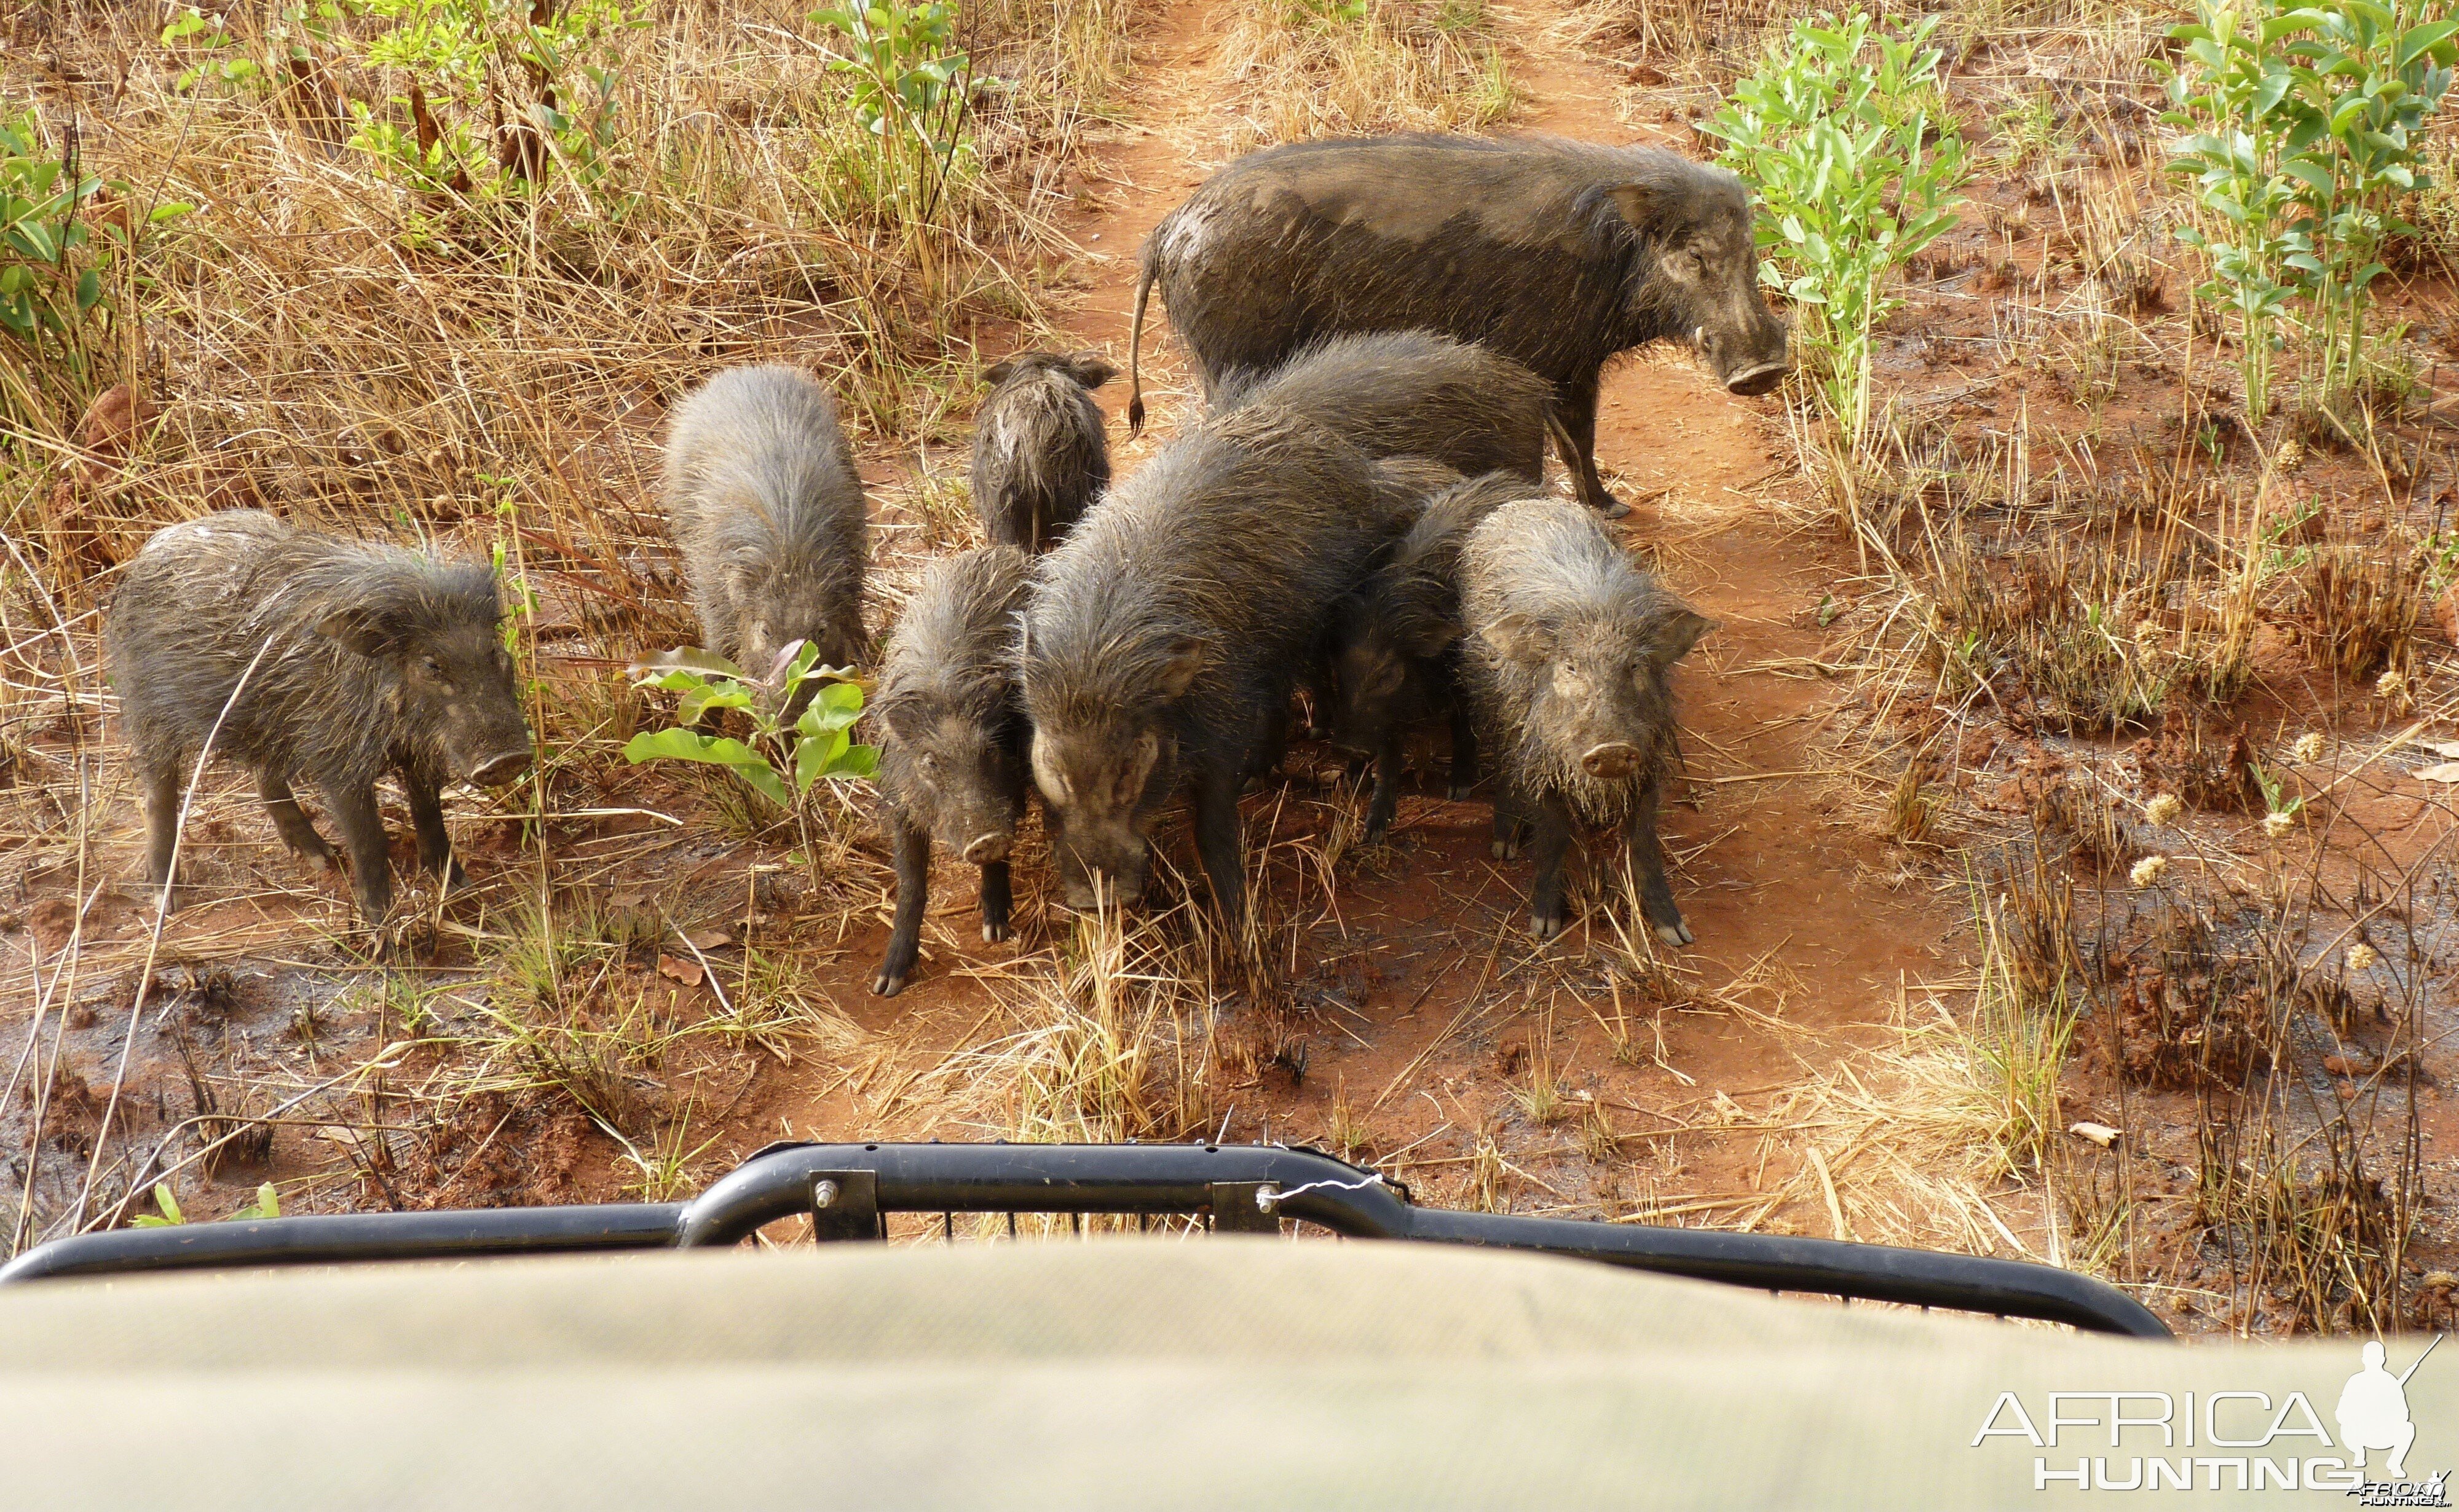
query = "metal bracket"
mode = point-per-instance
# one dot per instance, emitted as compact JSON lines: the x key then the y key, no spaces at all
{"x":845,"y":1205}
{"x":1238,"y":1208}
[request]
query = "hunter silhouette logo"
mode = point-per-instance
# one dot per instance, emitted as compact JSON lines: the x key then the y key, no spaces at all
{"x":2373,"y":1410}
{"x":2103,"y":1439}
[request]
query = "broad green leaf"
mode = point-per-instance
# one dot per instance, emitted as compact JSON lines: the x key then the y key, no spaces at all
{"x":686,"y":658}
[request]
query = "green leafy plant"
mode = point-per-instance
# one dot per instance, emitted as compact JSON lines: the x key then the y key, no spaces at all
{"x":57,"y":246}
{"x":2371,"y":77}
{"x":1854,"y":173}
{"x":495,"y":93}
{"x":912,"y":87}
{"x":45,"y":285}
{"x":267,"y":1205}
{"x":815,"y":743}
{"x":2306,"y":134}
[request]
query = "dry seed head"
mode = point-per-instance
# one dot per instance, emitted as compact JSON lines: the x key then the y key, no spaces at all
{"x":2363,"y":956}
{"x":2288,"y":456}
{"x":2275,"y":826}
{"x":2308,"y":749}
{"x":2163,"y":809}
{"x":2149,"y":870}
{"x":2391,"y":685}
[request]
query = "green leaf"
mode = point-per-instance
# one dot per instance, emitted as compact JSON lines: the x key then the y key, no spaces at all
{"x":686,"y":658}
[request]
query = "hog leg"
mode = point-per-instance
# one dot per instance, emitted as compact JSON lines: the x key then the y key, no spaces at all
{"x":1577,"y":414}
{"x":912,"y":848}
{"x":161,"y":825}
{"x":997,"y":901}
{"x":1387,"y":785}
{"x":291,"y":822}
{"x":1217,"y":841}
{"x":362,"y":836}
{"x":434,"y":842}
{"x":1510,"y":830}
{"x":1464,"y":749}
{"x":1548,"y":912}
{"x":1648,"y":870}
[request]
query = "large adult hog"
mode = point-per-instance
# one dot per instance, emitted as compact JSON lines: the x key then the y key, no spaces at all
{"x":1394,"y":643}
{"x":1164,"y":636}
{"x":1041,"y":455}
{"x":764,"y":503}
{"x":347,"y":661}
{"x":1412,"y":393}
{"x":1557,"y":254}
{"x":952,"y":762}
{"x":1567,"y":658}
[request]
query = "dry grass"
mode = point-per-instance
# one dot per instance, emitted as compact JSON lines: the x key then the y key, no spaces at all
{"x":1322,"y":67}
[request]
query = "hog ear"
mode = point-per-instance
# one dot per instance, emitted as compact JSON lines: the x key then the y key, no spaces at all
{"x":1635,"y":202}
{"x":999,"y":372}
{"x":1091,"y":369}
{"x":1672,"y":636}
{"x":1432,"y":638}
{"x":367,"y":631}
{"x":1519,"y":638}
{"x":1187,"y":659}
{"x":900,"y":718}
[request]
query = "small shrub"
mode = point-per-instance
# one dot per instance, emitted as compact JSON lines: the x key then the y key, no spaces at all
{"x":912,"y":89}
{"x":2306,"y":131}
{"x":495,"y":93}
{"x":815,"y":743}
{"x":1835,"y":131}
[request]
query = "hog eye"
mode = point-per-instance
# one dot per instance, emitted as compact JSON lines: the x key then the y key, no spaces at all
{"x":432,"y":667}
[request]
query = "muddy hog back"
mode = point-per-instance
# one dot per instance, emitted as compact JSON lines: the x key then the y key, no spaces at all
{"x":952,"y":739}
{"x":1412,"y":393}
{"x":1164,"y":634}
{"x":1558,"y":255}
{"x":1040,"y":455}
{"x":1394,"y":644}
{"x":338,"y":661}
{"x":764,"y":503}
{"x":1567,"y":655}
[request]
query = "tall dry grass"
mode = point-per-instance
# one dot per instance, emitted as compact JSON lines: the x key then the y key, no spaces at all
{"x":1321,"y":68}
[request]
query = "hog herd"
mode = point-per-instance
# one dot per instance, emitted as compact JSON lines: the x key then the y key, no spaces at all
{"x":1389,"y":331}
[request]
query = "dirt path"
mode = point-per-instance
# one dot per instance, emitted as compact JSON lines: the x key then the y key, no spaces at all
{"x":1807,"y":932}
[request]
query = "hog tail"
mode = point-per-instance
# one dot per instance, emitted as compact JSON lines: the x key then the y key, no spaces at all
{"x":1135,"y":353}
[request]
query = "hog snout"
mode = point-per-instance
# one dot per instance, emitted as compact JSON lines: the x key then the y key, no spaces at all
{"x":1611,"y":762}
{"x":987,"y":849}
{"x":500,"y":768}
{"x":1751,"y":381}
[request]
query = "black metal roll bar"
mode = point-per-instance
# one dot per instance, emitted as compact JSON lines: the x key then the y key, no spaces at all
{"x":847,"y":1191}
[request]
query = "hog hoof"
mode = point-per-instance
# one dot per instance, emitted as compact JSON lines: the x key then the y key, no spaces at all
{"x":1612,"y":507}
{"x":1374,"y":833}
{"x":1459,"y":791}
{"x":318,"y":858}
{"x":888,"y":984}
{"x":993,"y":931}
{"x":1677,"y":932}
{"x":1541,"y":928}
{"x":1505,"y":850}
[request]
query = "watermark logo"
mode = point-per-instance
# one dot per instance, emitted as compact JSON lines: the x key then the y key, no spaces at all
{"x":2228,"y":1440}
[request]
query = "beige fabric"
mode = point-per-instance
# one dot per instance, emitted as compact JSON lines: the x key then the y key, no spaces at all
{"x":1122,"y":1372}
